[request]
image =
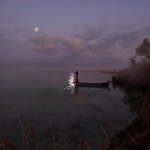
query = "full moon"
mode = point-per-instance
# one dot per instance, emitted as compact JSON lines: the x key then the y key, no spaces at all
{"x":36,"y":29}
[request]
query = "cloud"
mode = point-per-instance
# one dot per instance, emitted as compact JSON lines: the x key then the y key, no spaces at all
{"x":93,"y":47}
{"x":13,"y":45}
{"x":115,"y":42}
{"x":8,"y":37}
{"x":3,"y":38}
{"x":49,"y":44}
{"x":77,"y":44}
{"x":57,"y":45}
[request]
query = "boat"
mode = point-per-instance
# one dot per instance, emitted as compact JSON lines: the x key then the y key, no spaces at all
{"x":96,"y":85}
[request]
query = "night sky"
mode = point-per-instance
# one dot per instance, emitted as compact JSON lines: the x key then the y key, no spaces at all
{"x":68,"y":34}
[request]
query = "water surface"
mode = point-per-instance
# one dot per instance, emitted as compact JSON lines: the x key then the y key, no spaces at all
{"x":42,"y":98}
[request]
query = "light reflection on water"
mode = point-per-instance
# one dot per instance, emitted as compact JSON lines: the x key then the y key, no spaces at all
{"x":70,"y":81}
{"x":40,"y":98}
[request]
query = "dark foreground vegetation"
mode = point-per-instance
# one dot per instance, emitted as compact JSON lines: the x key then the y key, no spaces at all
{"x":136,"y":135}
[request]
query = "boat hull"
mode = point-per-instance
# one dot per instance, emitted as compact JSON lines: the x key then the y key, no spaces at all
{"x":97,"y":85}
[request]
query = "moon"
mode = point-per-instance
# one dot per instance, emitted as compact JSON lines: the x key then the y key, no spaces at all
{"x":36,"y":29}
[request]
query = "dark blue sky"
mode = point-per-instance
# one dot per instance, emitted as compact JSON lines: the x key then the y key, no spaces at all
{"x":72,"y":33}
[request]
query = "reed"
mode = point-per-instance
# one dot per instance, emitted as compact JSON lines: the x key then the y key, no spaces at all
{"x":102,"y":146}
{"x":106,"y":135}
{"x":53,"y":140}
{"x":23,"y":133}
{"x":31,"y":133}
{"x":68,"y":140}
{"x":6,"y":145}
{"x":146,"y":111}
{"x":85,"y":144}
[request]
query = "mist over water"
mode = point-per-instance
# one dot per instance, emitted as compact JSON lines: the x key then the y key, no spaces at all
{"x":42,"y":98}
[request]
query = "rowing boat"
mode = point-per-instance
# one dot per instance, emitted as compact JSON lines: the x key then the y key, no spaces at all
{"x":102,"y":85}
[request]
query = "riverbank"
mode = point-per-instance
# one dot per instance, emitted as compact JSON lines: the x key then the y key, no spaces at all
{"x":137,"y":134}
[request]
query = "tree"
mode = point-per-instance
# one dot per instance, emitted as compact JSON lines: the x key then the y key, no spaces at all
{"x":144,"y":50}
{"x":140,"y":64}
{"x":137,"y":72}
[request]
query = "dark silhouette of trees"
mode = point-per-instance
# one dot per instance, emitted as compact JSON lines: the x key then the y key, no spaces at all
{"x":138,"y":72}
{"x":142,"y":52}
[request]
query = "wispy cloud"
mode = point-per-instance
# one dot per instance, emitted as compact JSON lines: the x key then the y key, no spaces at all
{"x":94,"y":46}
{"x":92,"y":42}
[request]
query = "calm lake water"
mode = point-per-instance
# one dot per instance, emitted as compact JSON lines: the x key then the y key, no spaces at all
{"x":42,"y":98}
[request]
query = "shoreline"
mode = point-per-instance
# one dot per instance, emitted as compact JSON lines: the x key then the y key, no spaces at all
{"x":109,"y":71}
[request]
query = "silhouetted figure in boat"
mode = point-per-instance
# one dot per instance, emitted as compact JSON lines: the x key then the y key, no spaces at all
{"x":76,"y":77}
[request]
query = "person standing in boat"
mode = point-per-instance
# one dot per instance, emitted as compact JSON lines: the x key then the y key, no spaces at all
{"x":76,"y":80}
